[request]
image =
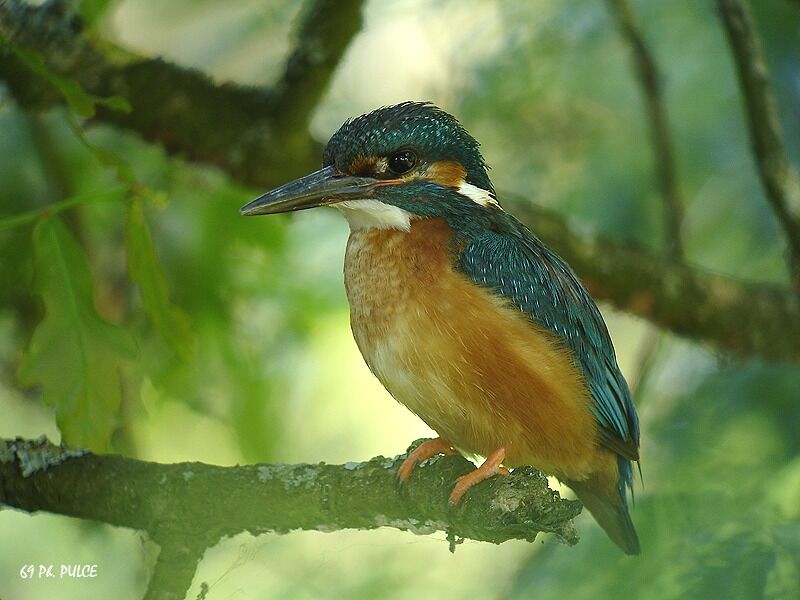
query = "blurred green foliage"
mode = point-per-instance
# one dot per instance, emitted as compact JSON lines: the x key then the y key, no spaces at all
{"x":148,"y":315}
{"x":719,"y":510}
{"x":74,"y":355}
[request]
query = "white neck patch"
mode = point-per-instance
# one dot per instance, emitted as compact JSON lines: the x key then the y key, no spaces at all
{"x":373,"y":214}
{"x":477,"y":195}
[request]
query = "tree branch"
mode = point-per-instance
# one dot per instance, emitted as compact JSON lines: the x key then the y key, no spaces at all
{"x":780,"y":181}
{"x":174,"y":569}
{"x":234,"y":127}
{"x":647,"y":73}
{"x":248,"y":131}
{"x":325,"y":32}
{"x":733,"y":315}
{"x":189,"y":507}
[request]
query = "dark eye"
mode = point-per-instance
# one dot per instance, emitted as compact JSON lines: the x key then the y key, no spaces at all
{"x":402,"y":162}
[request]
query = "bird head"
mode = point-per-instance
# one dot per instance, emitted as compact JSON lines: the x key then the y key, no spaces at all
{"x":385,"y":167}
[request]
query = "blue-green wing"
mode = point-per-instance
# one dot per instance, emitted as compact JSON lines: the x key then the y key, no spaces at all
{"x":514,"y":263}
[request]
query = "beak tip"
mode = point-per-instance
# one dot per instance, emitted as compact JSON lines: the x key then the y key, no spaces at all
{"x":250,"y":209}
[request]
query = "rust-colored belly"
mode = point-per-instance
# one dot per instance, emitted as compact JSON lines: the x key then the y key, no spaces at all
{"x":475,"y":369}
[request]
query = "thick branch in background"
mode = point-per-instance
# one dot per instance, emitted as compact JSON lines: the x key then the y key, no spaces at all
{"x":189,"y":507}
{"x":326,"y":30}
{"x":234,"y":127}
{"x":779,"y":179}
{"x":733,"y":315}
{"x":251,"y":132}
{"x":664,"y":161}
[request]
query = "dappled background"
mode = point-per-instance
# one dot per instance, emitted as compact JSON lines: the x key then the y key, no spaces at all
{"x":252,"y":360}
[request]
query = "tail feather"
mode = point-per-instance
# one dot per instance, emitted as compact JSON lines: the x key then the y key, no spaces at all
{"x":610,"y":510}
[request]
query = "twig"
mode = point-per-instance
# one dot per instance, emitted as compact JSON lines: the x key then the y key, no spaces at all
{"x":779,"y":179}
{"x":648,"y":76}
{"x":174,"y":570}
{"x":24,"y":218}
{"x":645,"y":360}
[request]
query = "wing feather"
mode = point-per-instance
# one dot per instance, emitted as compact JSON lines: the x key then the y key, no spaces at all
{"x":513,"y":262}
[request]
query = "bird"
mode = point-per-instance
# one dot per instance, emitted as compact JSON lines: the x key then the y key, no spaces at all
{"x":466,"y":317}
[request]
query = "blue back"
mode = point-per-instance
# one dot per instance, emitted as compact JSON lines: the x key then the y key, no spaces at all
{"x":513,"y":262}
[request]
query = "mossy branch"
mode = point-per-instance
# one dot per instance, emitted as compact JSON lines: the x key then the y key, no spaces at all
{"x":253,"y":133}
{"x":188,"y":507}
{"x":237,"y":128}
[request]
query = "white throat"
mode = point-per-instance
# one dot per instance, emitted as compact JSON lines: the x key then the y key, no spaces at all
{"x":373,"y":214}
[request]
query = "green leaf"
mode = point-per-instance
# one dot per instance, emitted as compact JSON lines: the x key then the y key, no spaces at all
{"x":170,"y":321}
{"x":115,"y":103}
{"x":24,"y":218}
{"x":91,"y":11}
{"x":75,"y":355}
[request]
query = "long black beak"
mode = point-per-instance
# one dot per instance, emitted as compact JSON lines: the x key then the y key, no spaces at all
{"x":325,"y":186}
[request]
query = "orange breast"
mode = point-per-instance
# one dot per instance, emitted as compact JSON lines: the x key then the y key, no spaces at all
{"x":474,"y":368}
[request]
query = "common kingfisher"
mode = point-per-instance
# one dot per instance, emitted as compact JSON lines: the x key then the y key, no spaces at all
{"x":466,"y":317}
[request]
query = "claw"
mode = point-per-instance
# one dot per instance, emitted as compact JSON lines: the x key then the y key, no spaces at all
{"x":424,"y":451}
{"x":489,"y":468}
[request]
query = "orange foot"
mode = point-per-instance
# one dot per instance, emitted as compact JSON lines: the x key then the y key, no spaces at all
{"x":424,"y":451}
{"x":489,"y":468}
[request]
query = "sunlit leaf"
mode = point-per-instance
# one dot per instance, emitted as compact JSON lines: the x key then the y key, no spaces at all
{"x":91,"y":11}
{"x":170,"y":321}
{"x":75,"y":356}
{"x":116,"y":103}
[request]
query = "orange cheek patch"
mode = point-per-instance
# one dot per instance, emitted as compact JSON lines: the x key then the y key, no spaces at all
{"x":447,"y":173}
{"x":363,"y":165}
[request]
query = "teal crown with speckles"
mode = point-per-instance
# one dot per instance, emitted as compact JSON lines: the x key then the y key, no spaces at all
{"x":420,"y":126}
